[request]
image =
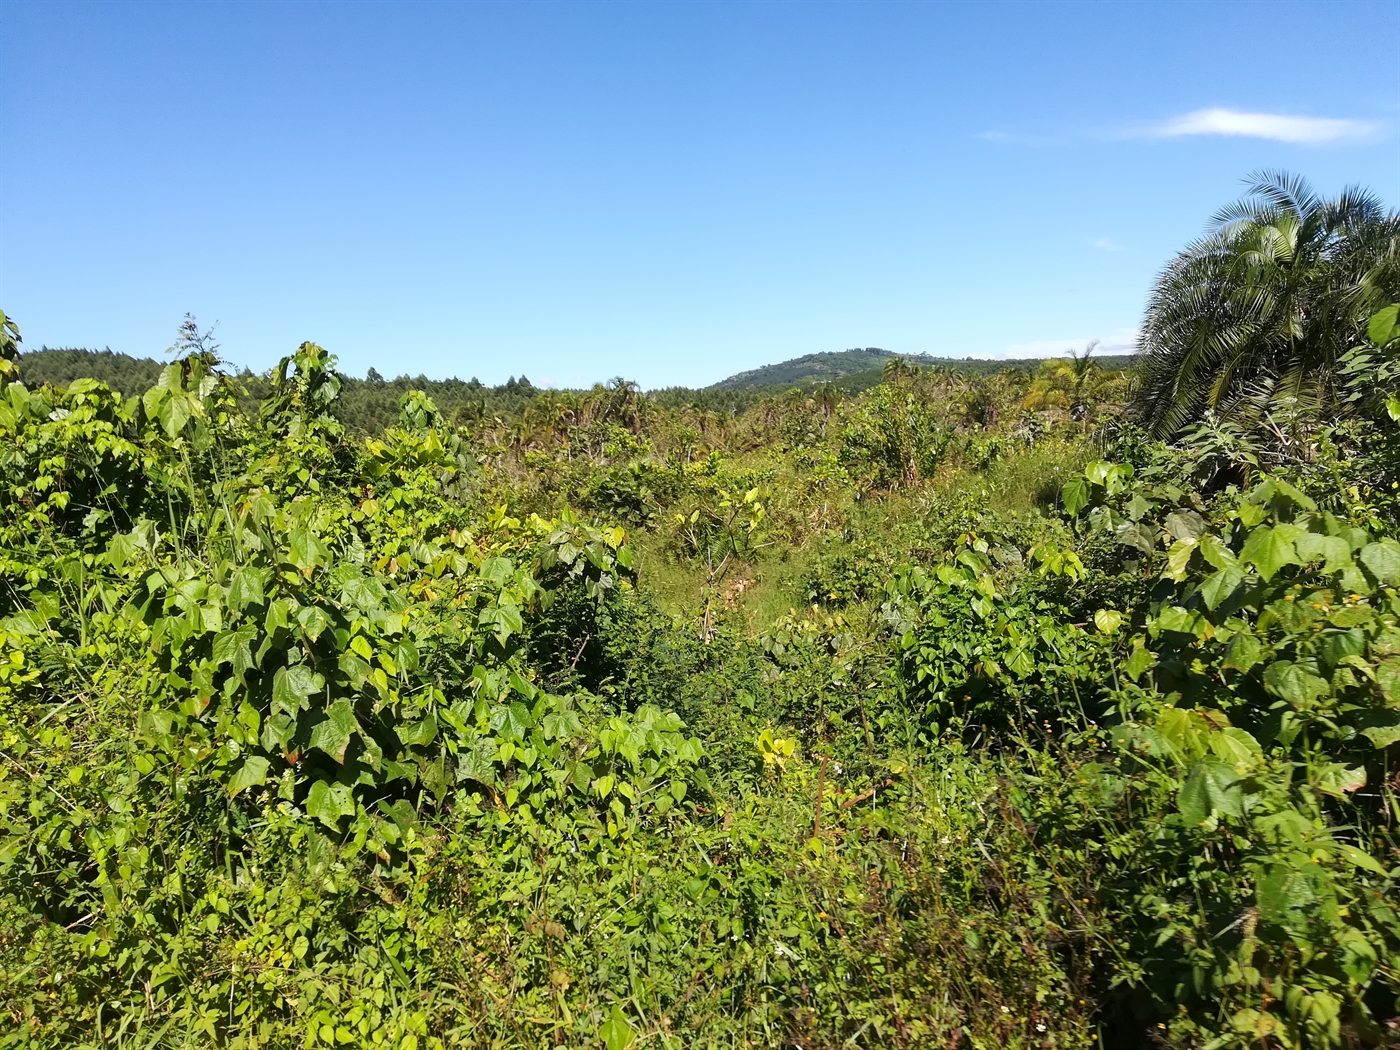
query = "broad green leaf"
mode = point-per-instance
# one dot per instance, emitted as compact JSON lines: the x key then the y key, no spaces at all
{"x":354,"y":666}
{"x":1075,"y":495}
{"x":312,"y":620}
{"x":1108,"y":621}
{"x":1251,"y":514}
{"x":1215,"y":551}
{"x":1235,"y":747}
{"x":1268,"y":550}
{"x":174,"y":413}
{"x":1293,"y":682}
{"x":511,"y":721}
{"x":616,"y":1033}
{"x":172,"y":378}
{"x":1357,"y":956}
{"x":604,"y":785}
{"x":472,"y":765}
{"x":1211,"y":789}
{"x":277,"y":732}
{"x":1338,"y":645}
{"x":1141,"y":660}
{"x":1180,"y":621}
{"x":1361,"y":859}
{"x":405,"y":655}
{"x":1279,"y":494}
{"x":1336,"y":778}
{"x":1243,"y":652}
{"x":1383,"y":736}
{"x":1383,"y":327}
{"x":251,"y":773}
{"x":1217,"y":588}
{"x":1136,"y":535}
{"x":329,"y":802}
{"x":1184,"y":731}
{"x":1283,"y":895}
{"x":508,"y":620}
{"x":1178,"y":558}
{"x":1098,"y":471}
{"x":1185,"y":525}
{"x":153,"y":398}
{"x":497,"y":570}
{"x":522,"y":685}
{"x":1352,"y":580}
{"x":1020,"y":663}
{"x":1334,"y":551}
{"x":363,"y":592}
{"x":560,"y":724}
{"x":292,"y":685}
{"x":1117,"y":478}
{"x":332,"y":734}
{"x":418,"y":733}
{"x":245,"y":587}
{"x":305,"y":551}
{"x":236,"y":648}
{"x":1351,"y":616}
{"x":277,"y":615}
{"x":1382,"y":561}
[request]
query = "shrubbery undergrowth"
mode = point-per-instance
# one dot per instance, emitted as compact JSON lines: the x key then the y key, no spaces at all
{"x":954,"y":725}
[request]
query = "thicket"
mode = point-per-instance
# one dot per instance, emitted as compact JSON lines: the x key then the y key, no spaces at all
{"x":956,"y":713}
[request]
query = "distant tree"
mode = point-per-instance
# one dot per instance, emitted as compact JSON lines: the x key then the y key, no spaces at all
{"x":897,"y":368}
{"x":1068,"y":382}
{"x":190,"y":340}
{"x":373,"y":377}
{"x":1258,"y":312}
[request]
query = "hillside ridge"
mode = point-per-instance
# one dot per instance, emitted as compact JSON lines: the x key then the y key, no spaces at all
{"x":834,"y":365}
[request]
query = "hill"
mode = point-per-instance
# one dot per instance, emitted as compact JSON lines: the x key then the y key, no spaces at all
{"x":860,"y":368}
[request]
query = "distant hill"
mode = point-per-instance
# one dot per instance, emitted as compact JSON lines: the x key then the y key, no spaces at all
{"x":860,"y":368}
{"x":811,"y":368}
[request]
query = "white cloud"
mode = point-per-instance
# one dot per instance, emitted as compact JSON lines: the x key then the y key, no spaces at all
{"x":1311,"y":131}
{"x":1107,"y":244}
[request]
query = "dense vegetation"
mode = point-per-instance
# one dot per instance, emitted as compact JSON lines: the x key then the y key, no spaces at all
{"x":961,"y":712}
{"x":367,"y":406}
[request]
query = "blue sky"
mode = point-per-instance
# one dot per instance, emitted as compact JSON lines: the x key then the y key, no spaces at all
{"x":672,"y":192}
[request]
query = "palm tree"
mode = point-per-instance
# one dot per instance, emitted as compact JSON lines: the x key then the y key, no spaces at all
{"x":1256,"y":314}
{"x":897,"y":368}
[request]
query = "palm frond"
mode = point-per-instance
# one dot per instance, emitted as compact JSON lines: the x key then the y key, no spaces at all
{"x":1262,"y":306}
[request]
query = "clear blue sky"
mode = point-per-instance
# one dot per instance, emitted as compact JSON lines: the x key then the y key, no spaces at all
{"x":671,"y":192}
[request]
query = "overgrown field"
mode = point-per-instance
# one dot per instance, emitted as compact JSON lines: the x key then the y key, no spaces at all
{"x":958,"y":713}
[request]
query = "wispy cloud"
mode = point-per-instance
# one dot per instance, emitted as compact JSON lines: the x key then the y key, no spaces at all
{"x":1310,"y":131}
{"x":1107,"y":244}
